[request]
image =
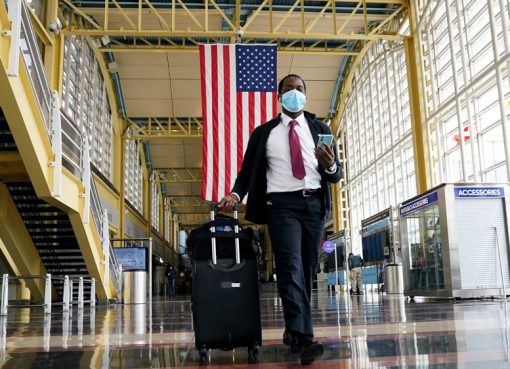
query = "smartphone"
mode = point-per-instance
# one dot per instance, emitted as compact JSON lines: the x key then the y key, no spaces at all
{"x":325,"y":140}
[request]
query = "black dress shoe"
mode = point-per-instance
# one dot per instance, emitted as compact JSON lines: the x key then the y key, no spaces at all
{"x":309,"y":351}
{"x":292,"y":341}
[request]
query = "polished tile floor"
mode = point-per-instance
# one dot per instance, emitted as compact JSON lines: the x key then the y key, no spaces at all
{"x":369,"y":331}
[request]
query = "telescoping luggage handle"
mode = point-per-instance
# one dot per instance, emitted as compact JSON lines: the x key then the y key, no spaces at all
{"x":212,"y":211}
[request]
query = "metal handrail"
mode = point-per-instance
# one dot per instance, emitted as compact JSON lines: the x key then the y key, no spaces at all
{"x":34,"y":65}
{"x":72,"y":139}
{"x":68,"y":292}
{"x":71,"y":144}
{"x":4,"y":303}
{"x":95,"y":206}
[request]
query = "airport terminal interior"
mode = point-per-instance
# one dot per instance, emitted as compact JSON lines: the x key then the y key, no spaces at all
{"x":109,"y":160}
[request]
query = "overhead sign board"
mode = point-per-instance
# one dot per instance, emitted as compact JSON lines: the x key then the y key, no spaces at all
{"x":418,"y":204}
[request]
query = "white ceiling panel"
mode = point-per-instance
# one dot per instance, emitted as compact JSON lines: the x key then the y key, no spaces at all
{"x":187,"y":107}
{"x":137,"y":107}
{"x":143,"y":72}
{"x":185,"y":73}
{"x":141,"y":59}
{"x":146,"y":89}
{"x":186,"y":89}
{"x":187,"y":59}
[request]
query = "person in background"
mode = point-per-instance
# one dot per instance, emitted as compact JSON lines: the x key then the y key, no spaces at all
{"x":171,"y":273}
{"x":356,"y":276}
{"x":286,"y":176}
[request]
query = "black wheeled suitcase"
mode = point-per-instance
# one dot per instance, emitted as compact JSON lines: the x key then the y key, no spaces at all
{"x":225,"y":295}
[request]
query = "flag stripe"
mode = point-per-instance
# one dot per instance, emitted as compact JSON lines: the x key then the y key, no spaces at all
{"x":233,"y":119}
{"x":226,"y":145}
{"x":203,"y":77}
{"x":214,"y":122}
{"x":238,"y":86}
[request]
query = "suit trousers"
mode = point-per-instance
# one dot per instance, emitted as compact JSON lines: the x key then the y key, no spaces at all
{"x":296,"y":227}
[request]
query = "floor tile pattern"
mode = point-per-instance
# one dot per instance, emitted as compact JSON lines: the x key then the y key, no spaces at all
{"x":369,"y":331}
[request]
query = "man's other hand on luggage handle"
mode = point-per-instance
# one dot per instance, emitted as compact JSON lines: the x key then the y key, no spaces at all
{"x":227,"y":203}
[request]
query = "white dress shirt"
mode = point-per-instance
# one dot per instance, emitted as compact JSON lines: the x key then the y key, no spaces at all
{"x":279,"y":171}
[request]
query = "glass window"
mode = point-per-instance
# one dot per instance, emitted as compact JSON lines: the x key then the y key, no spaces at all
{"x":85,"y":101}
{"x":475,"y":37}
{"x":376,"y":118}
{"x":155,"y":204}
{"x":133,"y":178}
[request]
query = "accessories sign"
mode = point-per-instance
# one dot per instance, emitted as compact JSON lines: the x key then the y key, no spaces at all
{"x":478,"y":192}
{"x":419,"y":203}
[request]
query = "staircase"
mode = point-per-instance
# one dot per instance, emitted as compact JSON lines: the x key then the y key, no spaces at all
{"x":51,"y":233}
{"x":6,"y":140}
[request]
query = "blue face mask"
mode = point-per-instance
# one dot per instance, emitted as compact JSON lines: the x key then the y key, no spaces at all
{"x":293,"y":101}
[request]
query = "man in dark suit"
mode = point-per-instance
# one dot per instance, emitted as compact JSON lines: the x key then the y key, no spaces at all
{"x":286,"y":176}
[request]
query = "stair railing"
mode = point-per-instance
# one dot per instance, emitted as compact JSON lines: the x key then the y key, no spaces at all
{"x":70,"y":148}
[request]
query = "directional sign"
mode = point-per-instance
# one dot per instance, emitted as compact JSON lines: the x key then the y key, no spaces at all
{"x":328,"y":247}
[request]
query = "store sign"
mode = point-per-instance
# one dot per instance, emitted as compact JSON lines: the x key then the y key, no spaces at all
{"x":478,"y":192}
{"x":417,"y":204}
{"x":382,"y":224}
{"x":328,"y":247}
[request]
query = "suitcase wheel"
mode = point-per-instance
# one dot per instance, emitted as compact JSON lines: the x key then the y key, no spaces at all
{"x":203,"y":353}
{"x":253,"y":354}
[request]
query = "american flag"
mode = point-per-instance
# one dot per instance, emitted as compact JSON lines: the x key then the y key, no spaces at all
{"x":238,"y":94}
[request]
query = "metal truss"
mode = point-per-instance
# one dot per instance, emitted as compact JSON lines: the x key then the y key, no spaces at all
{"x":186,"y":201}
{"x":179,"y":175}
{"x":295,"y":26}
{"x":158,"y":128}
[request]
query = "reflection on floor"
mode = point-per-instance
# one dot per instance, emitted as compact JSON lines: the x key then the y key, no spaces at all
{"x":368,"y":331}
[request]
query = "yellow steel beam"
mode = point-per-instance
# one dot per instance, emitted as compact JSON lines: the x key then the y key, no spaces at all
{"x":122,"y":172}
{"x":318,"y":16}
{"x":92,"y":252}
{"x":12,"y":167}
{"x":388,"y":19}
{"x":186,"y":201}
{"x":124,"y":14}
{"x":54,"y":52}
{"x":348,"y":19}
{"x":191,"y":14}
{"x":156,"y":12}
{"x":319,"y":47}
{"x":81,"y":13}
{"x":195,"y":29}
{"x":16,"y":245}
{"x":423,"y":178}
{"x":222,"y":13}
{"x":256,"y":13}
{"x":180,"y":175}
{"x":365,"y":17}
{"x":5,"y":40}
{"x":220,"y":34}
{"x":39,"y":28}
{"x":417,"y":122}
{"x":158,"y":128}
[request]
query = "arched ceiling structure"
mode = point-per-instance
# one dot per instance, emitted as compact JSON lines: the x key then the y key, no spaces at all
{"x":152,"y":45}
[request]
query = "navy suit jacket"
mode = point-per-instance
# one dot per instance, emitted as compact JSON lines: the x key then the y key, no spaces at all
{"x":252,"y":179}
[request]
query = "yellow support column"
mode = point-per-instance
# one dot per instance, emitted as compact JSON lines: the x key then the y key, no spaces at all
{"x":122,"y":202}
{"x":5,"y":41}
{"x":335,"y":201}
{"x":54,"y":52}
{"x":414,"y":77}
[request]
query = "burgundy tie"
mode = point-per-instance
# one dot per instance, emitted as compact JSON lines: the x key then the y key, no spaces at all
{"x":296,"y":157}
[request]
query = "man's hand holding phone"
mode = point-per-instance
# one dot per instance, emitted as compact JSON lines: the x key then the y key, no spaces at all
{"x":324,"y":150}
{"x":325,"y":140}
